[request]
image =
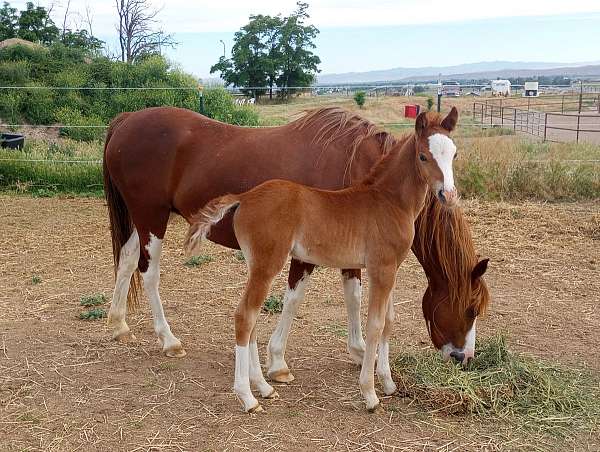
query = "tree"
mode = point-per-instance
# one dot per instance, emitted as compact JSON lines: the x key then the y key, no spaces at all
{"x":255,"y":55}
{"x":36,"y":25}
{"x":138,"y":35}
{"x":272,"y":51}
{"x":83,"y":40}
{"x":359,"y":98}
{"x":299,"y":64}
{"x":8,"y":21}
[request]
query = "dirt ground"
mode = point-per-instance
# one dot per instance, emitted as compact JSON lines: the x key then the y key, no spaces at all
{"x":64,"y":385}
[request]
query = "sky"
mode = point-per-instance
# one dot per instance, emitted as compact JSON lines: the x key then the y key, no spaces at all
{"x":377,"y":34}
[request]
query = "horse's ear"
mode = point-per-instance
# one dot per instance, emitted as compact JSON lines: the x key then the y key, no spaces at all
{"x":421,"y":124}
{"x":479,"y":269}
{"x":449,"y":122}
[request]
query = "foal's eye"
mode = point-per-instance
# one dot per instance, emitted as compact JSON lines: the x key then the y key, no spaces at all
{"x":455,"y":155}
{"x":422,"y":157}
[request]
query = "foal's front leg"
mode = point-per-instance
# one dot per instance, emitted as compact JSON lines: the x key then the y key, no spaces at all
{"x":381,"y":283}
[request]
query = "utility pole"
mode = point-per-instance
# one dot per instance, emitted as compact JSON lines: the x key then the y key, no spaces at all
{"x":223,"y":42}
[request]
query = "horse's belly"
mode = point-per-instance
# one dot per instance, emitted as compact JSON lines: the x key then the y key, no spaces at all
{"x":325,"y":257}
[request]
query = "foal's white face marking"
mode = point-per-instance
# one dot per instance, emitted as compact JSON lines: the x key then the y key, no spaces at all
{"x":443,"y":150}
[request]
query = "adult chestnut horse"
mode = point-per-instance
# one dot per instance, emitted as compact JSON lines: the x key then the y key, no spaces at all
{"x":369,"y":225}
{"x":163,"y":160}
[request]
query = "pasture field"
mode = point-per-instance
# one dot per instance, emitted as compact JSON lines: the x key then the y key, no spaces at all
{"x":64,"y":385}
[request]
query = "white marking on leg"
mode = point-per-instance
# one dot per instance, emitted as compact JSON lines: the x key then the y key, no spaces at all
{"x":443,"y":150}
{"x":128,"y":259}
{"x":256,"y":376}
{"x":170,"y":344}
{"x":366,"y":380}
{"x":352,"y":297}
{"x":241,"y":384}
{"x":278,"y":342}
{"x":383,"y":357}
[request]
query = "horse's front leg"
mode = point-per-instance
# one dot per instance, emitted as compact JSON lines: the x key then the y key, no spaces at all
{"x":351,"y":282}
{"x":381,"y":283}
{"x":297,"y":281}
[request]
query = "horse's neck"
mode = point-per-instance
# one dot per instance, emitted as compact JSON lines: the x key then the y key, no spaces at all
{"x":398,"y":176}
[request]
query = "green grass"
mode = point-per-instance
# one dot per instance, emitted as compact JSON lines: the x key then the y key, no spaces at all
{"x":197,"y":261}
{"x":93,"y":300}
{"x":93,"y":314}
{"x":501,"y":386}
{"x":273,"y":304}
{"x":35,"y":279}
{"x":240,"y":256}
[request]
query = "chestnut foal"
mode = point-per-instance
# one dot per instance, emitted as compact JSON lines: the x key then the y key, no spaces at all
{"x":369,"y":225}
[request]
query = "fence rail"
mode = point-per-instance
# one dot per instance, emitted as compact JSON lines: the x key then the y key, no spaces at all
{"x":548,"y":126}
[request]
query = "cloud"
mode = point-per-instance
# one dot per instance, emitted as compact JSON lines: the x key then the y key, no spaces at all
{"x":210,"y":16}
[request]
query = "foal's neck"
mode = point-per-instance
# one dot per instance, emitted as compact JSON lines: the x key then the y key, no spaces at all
{"x":398,"y":176}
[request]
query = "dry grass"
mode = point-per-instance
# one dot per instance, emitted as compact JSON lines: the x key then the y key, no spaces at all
{"x":541,"y":398}
{"x":64,"y":385}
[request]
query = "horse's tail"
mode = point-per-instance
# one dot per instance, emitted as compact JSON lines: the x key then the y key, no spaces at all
{"x":201,"y":223}
{"x":121,"y":226}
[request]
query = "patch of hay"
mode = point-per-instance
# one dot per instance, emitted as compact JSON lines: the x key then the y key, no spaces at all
{"x":503,"y":385}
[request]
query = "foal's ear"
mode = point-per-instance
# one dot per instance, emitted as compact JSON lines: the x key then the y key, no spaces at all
{"x":421,"y":124}
{"x":449,"y":122}
{"x":479,"y":269}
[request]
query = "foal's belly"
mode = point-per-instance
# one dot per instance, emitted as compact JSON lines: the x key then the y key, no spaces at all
{"x":330,"y":255}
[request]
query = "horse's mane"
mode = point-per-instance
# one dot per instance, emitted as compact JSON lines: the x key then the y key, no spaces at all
{"x":445,"y":235}
{"x":335,"y":123}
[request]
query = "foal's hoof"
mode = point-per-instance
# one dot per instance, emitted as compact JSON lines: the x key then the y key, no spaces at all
{"x":255,"y":409}
{"x":281,"y":376}
{"x":273,"y":395}
{"x":377,"y":409}
{"x":175,"y":352}
{"x":124,"y":337}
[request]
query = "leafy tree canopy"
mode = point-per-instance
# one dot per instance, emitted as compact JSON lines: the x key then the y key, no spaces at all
{"x":272,"y":51}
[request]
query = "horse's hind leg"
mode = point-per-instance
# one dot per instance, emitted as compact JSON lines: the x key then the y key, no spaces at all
{"x":383,"y":357}
{"x":294,"y":294}
{"x":352,"y":297}
{"x":128,"y":261}
{"x":149,"y":265}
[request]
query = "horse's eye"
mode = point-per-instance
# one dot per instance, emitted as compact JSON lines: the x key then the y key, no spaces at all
{"x":422,"y":157}
{"x":455,"y":155}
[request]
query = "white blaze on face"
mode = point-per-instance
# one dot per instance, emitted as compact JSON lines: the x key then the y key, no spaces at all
{"x":468,"y":350}
{"x":443,"y":150}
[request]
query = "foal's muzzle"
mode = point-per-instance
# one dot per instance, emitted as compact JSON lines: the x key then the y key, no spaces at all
{"x":448,"y":197}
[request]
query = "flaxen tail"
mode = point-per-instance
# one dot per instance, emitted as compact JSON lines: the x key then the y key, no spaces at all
{"x":201,"y":223}
{"x":121,"y":226}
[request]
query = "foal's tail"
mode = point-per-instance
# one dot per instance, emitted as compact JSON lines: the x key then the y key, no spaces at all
{"x":201,"y":223}
{"x":121,"y":226}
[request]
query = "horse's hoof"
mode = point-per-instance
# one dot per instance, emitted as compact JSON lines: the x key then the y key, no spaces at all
{"x":377,"y":409}
{"x":175,"y":352}
{"x":255,"y":409}
{"x":273,"y":395}
{"x":281,"y":376}
{"x":125,"y":338}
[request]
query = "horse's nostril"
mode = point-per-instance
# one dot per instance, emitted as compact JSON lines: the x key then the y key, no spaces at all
{"x":459,"y":357}
{"x":441,"y":196}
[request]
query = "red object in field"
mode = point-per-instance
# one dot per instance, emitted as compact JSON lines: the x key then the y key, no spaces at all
{"x":411,"y":111}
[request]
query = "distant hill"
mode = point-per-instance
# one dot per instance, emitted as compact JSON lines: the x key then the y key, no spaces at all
{"x":492,"y":69}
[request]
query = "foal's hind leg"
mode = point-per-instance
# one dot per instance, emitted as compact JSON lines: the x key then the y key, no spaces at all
{"x":128,"y":260}
{"x":383,"y":357}
{"x":352,"y":297}
{"x":149,"y":265}
{"x":294,"y":294}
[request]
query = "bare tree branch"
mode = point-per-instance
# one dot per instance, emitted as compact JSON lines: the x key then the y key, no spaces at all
{"x":138,"y":33}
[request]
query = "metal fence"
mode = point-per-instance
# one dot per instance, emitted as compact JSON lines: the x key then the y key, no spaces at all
{"x":546,"y":125}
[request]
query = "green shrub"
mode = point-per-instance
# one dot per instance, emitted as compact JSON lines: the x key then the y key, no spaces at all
{"x":219,"y":105}
{"x":429,"y":103}
{"x":38,"y":105}
{"x":10,"y":106}
{"x":85,"y":128}
{"x":360,"y":98}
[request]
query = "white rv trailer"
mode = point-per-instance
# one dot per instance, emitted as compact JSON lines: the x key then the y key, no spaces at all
{"x":531,"y":89}
{"x":500,"y":88}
